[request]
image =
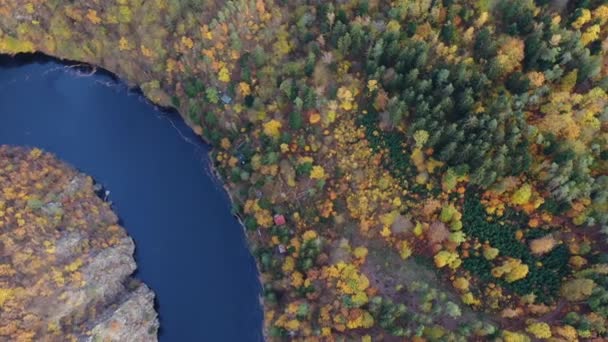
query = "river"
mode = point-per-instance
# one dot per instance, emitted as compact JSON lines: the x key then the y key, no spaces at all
{"x":190,"y":250}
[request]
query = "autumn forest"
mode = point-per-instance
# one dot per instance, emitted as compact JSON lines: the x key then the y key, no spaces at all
{"x":404,"y":170}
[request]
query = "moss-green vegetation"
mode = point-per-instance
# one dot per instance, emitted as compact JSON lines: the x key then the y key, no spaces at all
{"x":545,"y":272}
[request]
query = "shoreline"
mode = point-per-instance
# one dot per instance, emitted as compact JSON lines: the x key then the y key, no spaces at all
{"x":21,"y":59}
{"x":242,"y":224}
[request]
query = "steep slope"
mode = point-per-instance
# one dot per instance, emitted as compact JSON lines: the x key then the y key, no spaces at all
{"x":65,"y":263}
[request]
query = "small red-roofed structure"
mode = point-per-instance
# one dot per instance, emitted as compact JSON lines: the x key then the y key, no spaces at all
{"x":279,"y":220}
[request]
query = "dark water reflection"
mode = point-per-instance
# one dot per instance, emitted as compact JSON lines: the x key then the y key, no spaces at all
{"x":190,"y":250}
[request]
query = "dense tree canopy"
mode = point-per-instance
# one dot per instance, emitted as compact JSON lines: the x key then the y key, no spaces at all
{"x":462,"y":144}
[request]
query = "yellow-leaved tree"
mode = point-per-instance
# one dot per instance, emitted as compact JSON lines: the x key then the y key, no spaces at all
{"x":511,"y":54}
{"x":317,"y":172}
{"x":447,"y":258}
{"x":511,"y":269}
{"x":224,"y":75}
{"x":522,"y":195}
{"x":540,"y":330}
{"x":272,"y":128}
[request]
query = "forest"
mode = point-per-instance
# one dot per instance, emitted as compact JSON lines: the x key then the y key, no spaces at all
{"x":65,"y":260}
{"x":405,"y":170}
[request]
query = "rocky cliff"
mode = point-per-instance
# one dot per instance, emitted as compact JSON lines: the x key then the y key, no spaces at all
{"x":65,"y":263}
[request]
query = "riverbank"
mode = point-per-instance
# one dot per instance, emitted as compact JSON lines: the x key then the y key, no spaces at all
{"x":242,"y":224}
{"x":161,"y":188}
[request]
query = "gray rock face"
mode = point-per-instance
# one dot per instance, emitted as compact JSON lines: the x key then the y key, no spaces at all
{"x":133,"y":320}
{"x":65,"y":264}
{"x":128,"y":304}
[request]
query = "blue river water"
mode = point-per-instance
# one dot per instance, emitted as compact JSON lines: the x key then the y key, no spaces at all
{"x":190,"y":250}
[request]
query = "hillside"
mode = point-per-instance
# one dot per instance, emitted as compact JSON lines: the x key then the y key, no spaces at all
{"x":65,"y":262}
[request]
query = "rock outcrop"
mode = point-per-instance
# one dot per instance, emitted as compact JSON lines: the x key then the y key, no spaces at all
{"x":65,"y":263}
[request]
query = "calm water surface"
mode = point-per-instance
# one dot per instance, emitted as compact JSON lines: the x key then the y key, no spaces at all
{"x":190,"y":250}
